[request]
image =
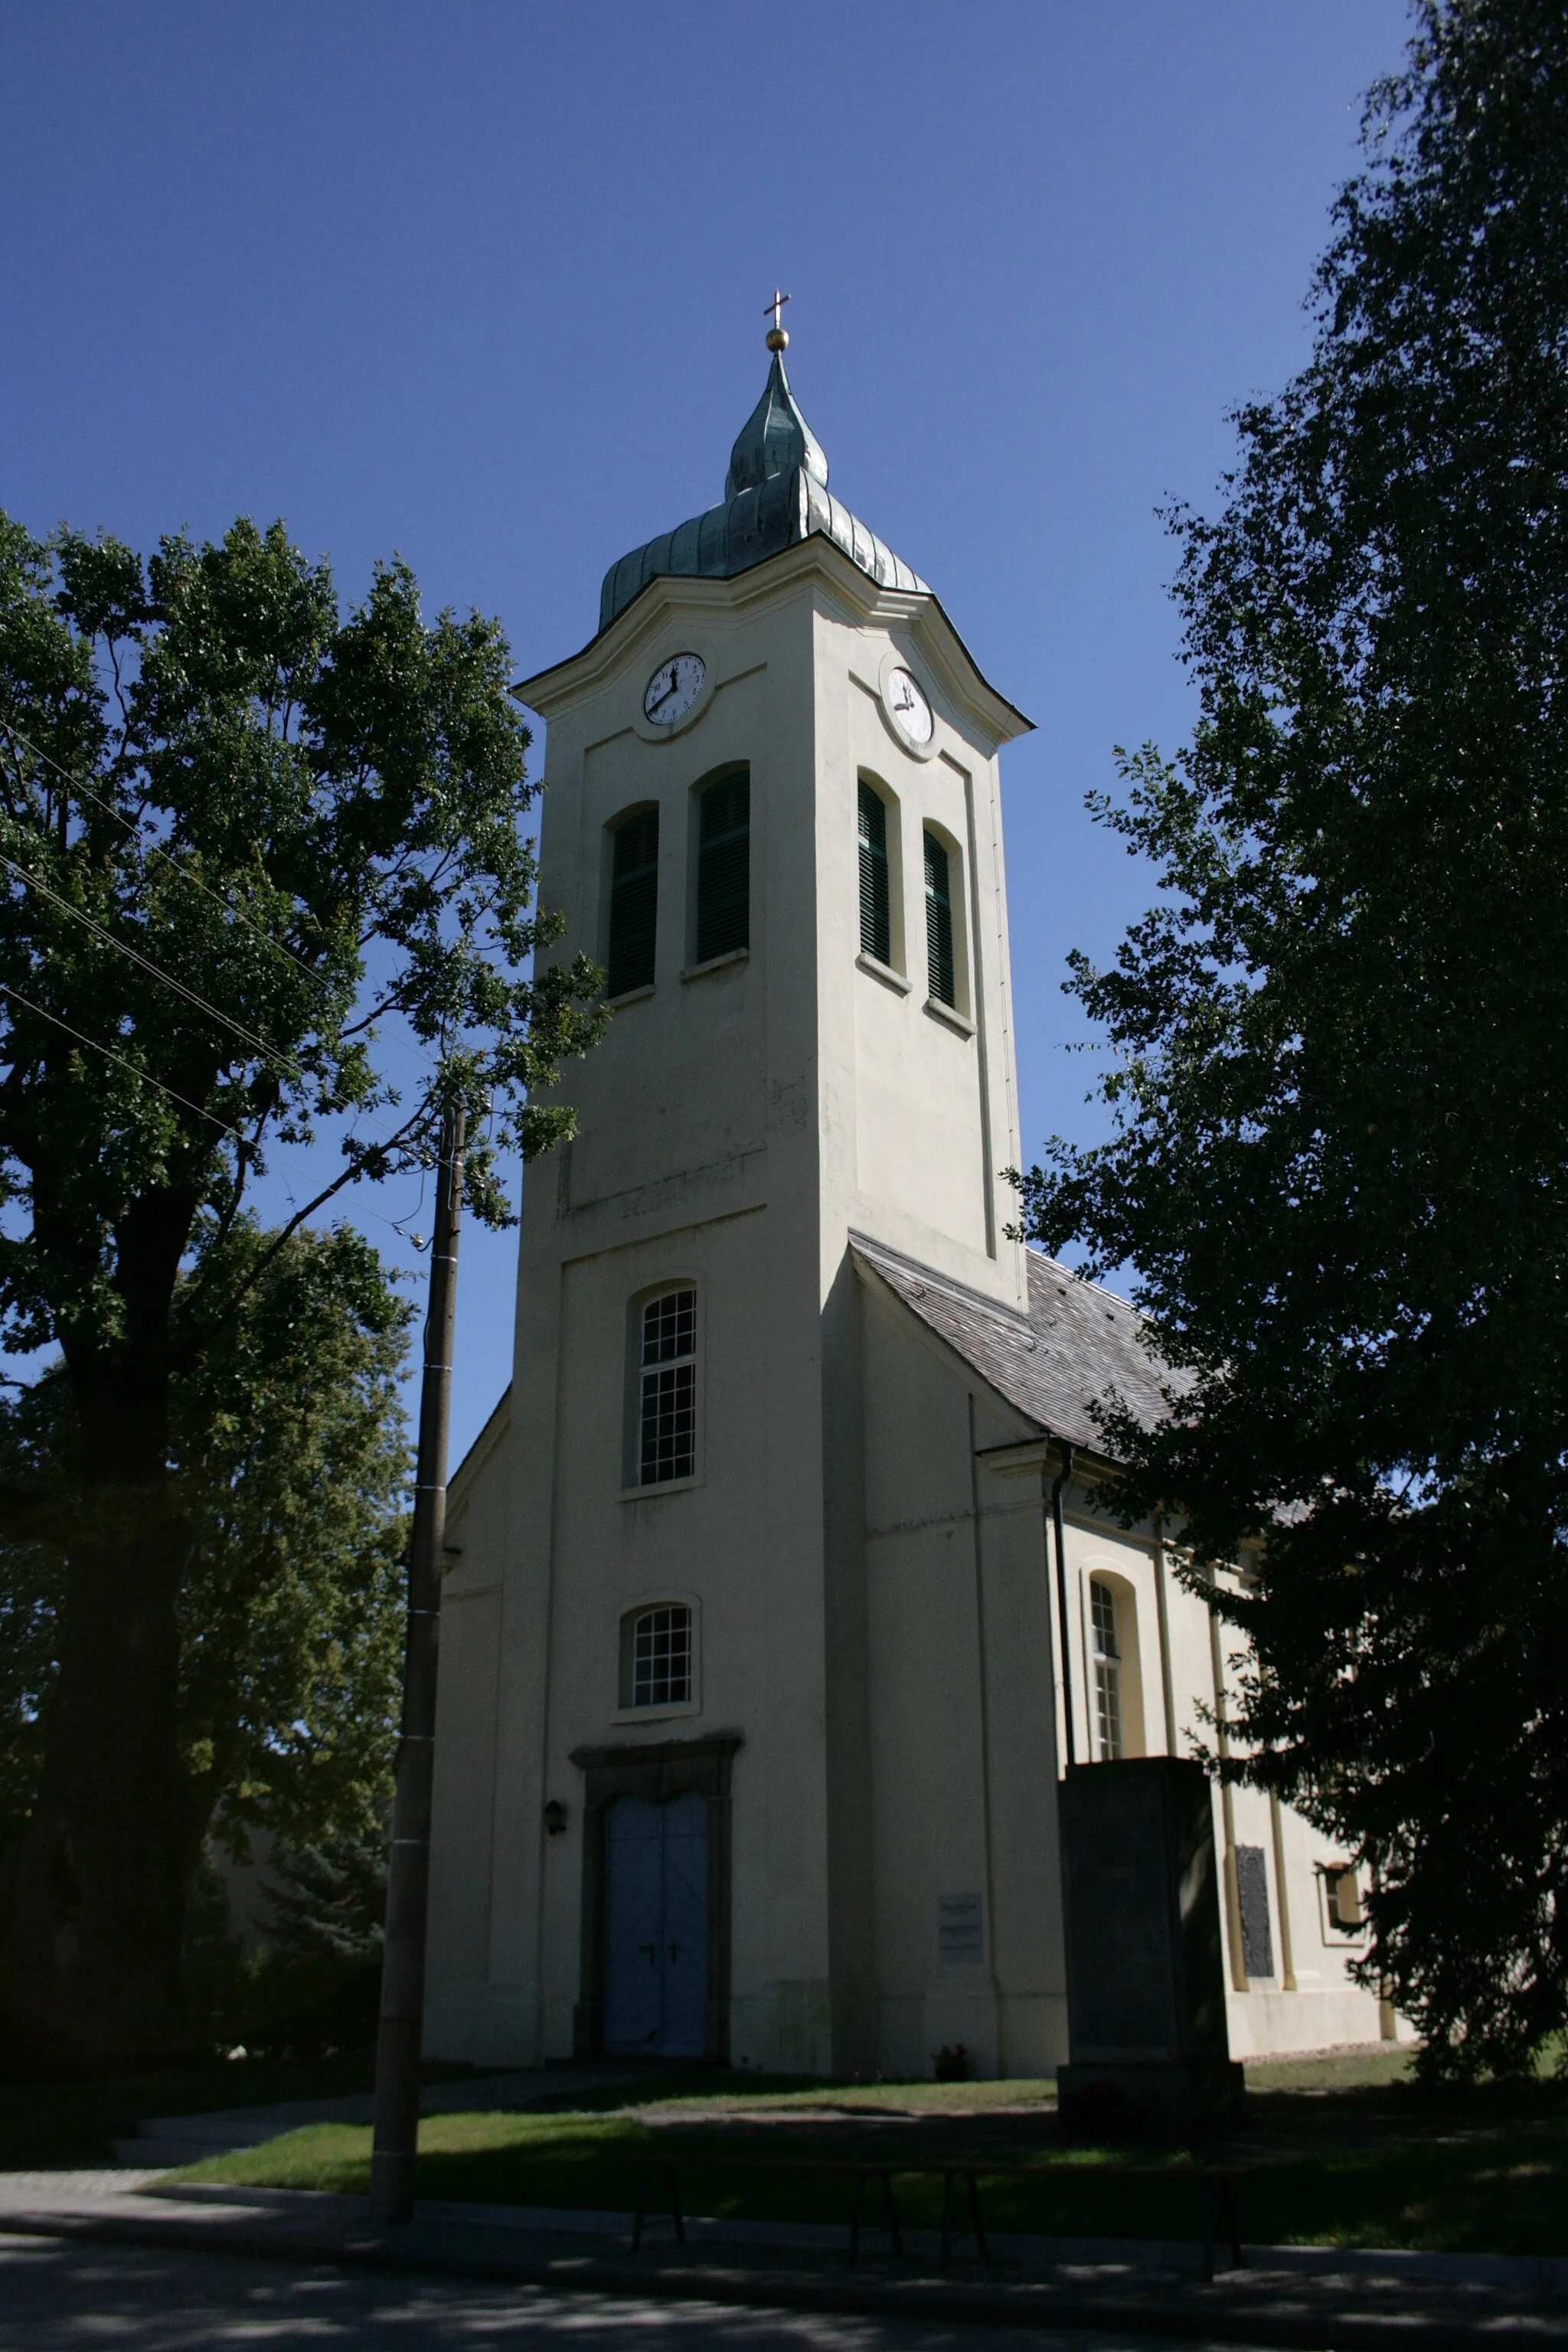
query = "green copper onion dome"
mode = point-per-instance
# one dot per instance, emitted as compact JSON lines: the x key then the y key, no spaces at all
{"x":776,"y":495}
{"x":774,"y":439}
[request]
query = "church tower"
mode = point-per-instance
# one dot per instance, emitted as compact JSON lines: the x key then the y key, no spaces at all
{"x":779,"y":1598}
{"x":773,"y":815}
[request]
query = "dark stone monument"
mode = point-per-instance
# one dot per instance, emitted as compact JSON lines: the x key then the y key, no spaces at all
{"x":1146,"y":2024}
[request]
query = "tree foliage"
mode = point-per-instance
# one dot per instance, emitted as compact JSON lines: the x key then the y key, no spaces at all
{"x":1339,"y":1090}
{"x":290,"y":1463}
{"x":248,"y":844}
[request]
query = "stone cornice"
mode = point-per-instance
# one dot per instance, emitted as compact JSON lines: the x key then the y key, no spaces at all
{"x":554,"y":691}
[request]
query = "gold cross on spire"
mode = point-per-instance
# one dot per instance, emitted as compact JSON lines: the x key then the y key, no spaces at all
{"x":777,"y":338}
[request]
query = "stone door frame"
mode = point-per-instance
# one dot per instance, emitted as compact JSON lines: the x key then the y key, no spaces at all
{"x":669,"y":1768}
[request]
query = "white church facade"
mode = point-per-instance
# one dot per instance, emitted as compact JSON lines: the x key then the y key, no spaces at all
{"x":759,"y":1669}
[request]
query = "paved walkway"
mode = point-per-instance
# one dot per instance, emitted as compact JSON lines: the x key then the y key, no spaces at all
{"x":142,"y":2300}
{"x":562,"y":2267}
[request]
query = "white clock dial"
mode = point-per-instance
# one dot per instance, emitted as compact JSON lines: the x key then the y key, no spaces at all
{"x":673,"y":688}
{"x":910,"y":709}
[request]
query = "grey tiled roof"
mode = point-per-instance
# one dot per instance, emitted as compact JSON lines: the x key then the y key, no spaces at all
{"x":1077,"y":1343}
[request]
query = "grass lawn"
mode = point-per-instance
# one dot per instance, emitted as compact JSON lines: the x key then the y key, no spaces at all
{"x":1347,"y":2153}
{"x":44,"y":2125}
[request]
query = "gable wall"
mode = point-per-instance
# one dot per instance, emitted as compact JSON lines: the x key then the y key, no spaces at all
{"x":467,"y":1698}
{"x":963,"y":1742}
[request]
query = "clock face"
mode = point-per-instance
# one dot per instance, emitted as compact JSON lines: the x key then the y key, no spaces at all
{"x":910,"y":709}
{"x":673,"y":688}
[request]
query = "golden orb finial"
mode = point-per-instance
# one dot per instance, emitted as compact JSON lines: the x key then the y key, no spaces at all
{"x":777,"y":338}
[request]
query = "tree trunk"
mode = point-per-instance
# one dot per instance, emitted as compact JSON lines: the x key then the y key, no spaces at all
{"x":99,"y":1899}
{"x":104,"y":1868}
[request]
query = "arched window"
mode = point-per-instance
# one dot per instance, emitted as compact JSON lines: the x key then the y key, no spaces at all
{"x":876,"y":895}
{"x":940,"y":982}
{"x":1107,"y":1669}
{"x":634,"y":903}
{"x":658,"y":1656}
{"x":667,"y":1388}
{"x":724,"y":867}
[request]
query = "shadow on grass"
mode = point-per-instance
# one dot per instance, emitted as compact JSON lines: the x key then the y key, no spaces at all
{"x":44,"y":2125}
{"x":1377,"y":2164}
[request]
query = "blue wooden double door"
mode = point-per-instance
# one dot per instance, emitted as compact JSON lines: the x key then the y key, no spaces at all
{"x":655,"y":1925}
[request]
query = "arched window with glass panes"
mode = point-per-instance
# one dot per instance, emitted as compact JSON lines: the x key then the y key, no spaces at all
{"x":658,"y":1656}
{"x":724,"y":867}
{"x":1107,"y":1670}
{"x":665,"y":1436}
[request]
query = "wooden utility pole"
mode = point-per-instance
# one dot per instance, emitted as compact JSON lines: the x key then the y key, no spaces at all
{"x":408,"y":1875}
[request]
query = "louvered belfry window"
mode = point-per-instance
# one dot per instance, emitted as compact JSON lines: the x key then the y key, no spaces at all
{"x":876,"y":928}
{"x":724,"y":867}
{"x":634,"y":904}
{"x":939,"y":923}
{"x":667,"y":1388}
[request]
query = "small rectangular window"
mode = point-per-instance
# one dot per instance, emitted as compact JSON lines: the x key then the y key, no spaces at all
{"x":724,"y":867}
{"x":938,"y":924}
{"x":876,"y":927}
{"x":661,"y":1657}
{"x":1341,"y":1897}
{"x":667,"y":1388}
{"x":634,"y":904}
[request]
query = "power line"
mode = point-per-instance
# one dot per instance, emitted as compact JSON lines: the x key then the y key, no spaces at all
{"x":245,"y":1035}
{"x":145,"y":1076}
{"x":79,"y":915}
{"x":157,"y":850}
{"x":147,"y":1079}
{"x":248,"y":1036}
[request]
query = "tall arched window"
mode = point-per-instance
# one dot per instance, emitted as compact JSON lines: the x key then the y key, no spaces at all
{"x":1107,"y":1670}
{"x":634,"y":903}
{"x":667,"y":1388}
{"x":724,"y":867}
{"x":940,"y":979}
{"x":876,"y":895}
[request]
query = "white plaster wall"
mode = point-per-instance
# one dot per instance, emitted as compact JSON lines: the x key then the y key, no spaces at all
{"x":876,"y":1608}
{"x":964,"y":1750}
{"x":467,"y":1697}
{"x":917,"y":1118}
{"x":1322,"y":2006}
{"x":943,"y":1821}
{"x":696,"y":1158}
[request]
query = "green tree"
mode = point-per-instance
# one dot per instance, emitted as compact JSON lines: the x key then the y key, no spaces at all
{"x":1338,"y":1155}
{"x":289,"y":1461}
{"x":249,"y":842}
{"x":290,"y":1464}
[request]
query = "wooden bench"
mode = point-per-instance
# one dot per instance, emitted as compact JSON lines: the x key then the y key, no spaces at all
{"x":1214,"y":2179}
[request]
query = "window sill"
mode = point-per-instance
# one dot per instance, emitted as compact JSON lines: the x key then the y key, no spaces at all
{"x":885,"y":973}
{"x":716,"y":963}
{"x":950,"y":1019}
{"x":657,"y":1714}
{"x":630,"y":996}
{"x":643,"y":1493}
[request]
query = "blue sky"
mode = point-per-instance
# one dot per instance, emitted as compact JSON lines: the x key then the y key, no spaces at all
{"x":482,"y":282}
